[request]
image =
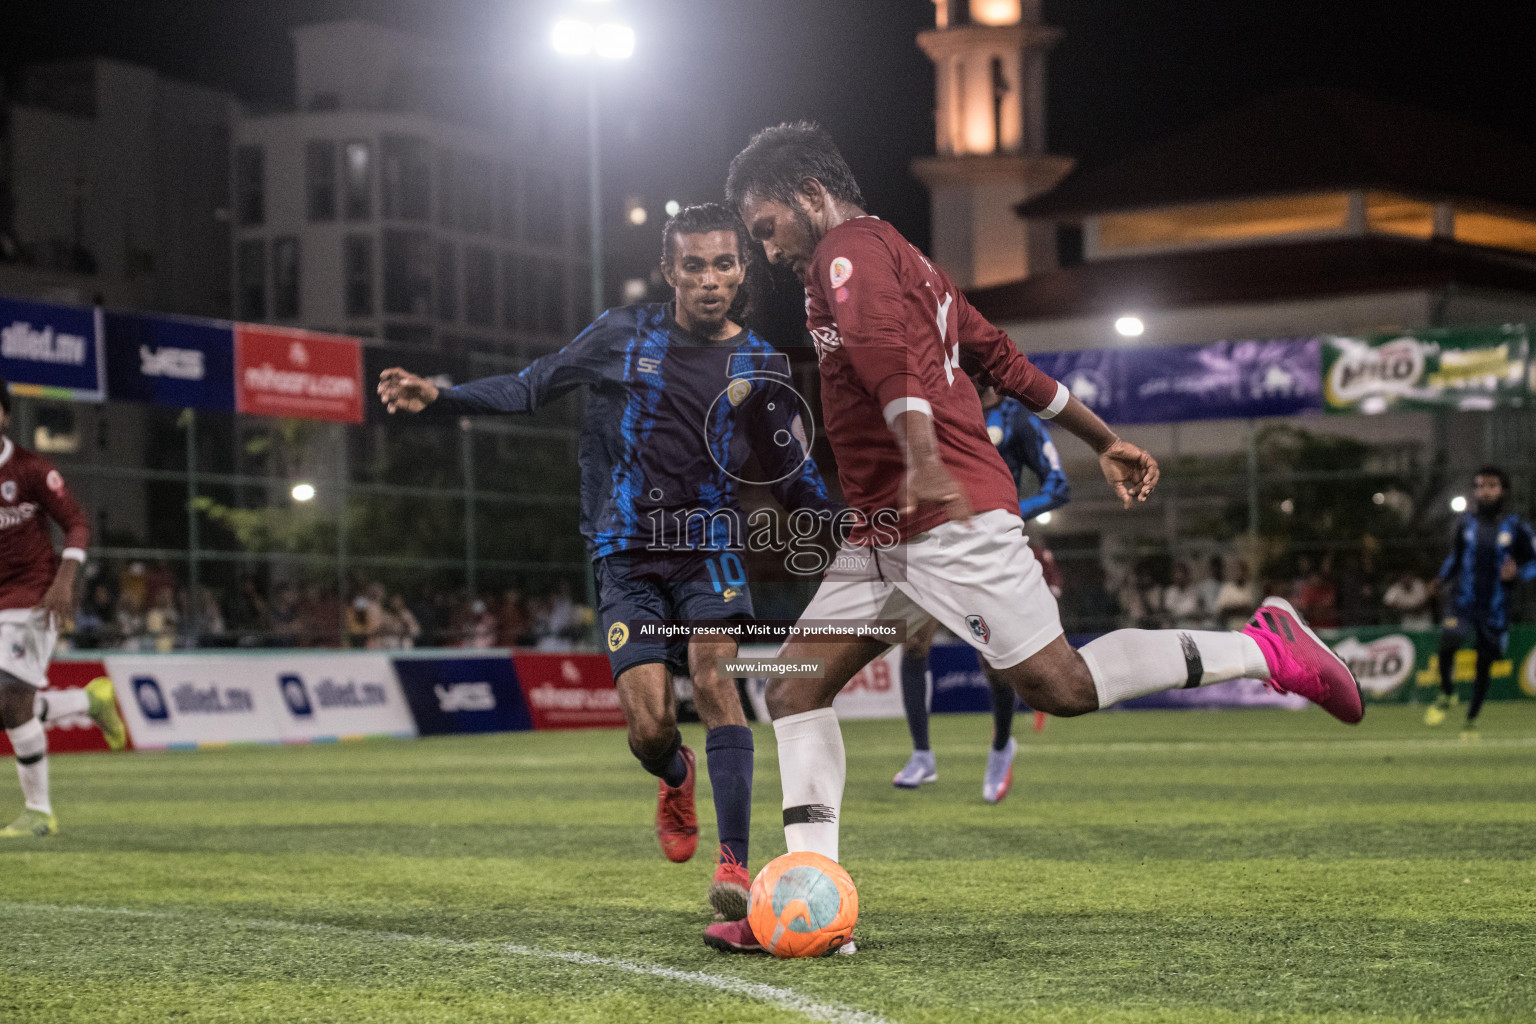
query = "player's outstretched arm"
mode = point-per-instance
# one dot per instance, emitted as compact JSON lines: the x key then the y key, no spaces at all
{"x":60,"y":506}
{"x":1131,"y":471}
{"x":403,"y":391}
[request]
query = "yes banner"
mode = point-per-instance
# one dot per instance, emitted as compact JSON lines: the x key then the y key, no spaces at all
{"x":1465,"y":368}
{"x":51,"y":351}
{"x":183,"y":363}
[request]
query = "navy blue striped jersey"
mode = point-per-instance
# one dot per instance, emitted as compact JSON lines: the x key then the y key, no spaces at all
{"x":674,"y":425}
{"x":1024,"y":443}
{"x":1479,"y":548}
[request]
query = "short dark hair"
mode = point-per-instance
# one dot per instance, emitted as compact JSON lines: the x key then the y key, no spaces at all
{"x":778,"y":159}
{"x":703,"y":219}
{"x":1495,"y":472}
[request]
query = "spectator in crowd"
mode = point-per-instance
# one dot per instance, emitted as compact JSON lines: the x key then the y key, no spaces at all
{"x":1209,"y":590}
{"x":1408,"y":599}
{"x":130,"y":617}
{"x":1356,"y":592}
{"x":1318,"y":600}
{"x":409,"y":628}
{"x":1141,"y":601}
{"x":1236,"y":601}
{"x":479,"y":626}
{"x":365,"y":618}
{"x":96,"y":619}
{"x":1181,"y":601}
{"x":161,"y":620}
{"x":286,"y":620}
{"x":511,"y":620}
{"x":248,"y":612}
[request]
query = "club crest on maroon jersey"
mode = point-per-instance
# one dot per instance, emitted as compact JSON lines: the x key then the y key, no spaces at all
{"x":979,"y":628}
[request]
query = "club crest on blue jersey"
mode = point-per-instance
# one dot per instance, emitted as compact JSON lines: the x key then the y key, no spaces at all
{"x":618,"y":636}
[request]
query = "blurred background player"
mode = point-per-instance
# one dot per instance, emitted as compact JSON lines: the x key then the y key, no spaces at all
{"x":1490,"y":550}
{"x":910,"y":440}
{"x":36,"y":597}
{"x":1024,"y":443}
{"x":681,"y":397}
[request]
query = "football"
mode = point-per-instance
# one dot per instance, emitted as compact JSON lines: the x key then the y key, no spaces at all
{"x":802,"y":904}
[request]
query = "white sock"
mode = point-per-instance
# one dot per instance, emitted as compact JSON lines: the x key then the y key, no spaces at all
{"x":1135,"y":662}
{"x":31,"y":747}
{"x":813,"y":768}
{"x":52,"y":705}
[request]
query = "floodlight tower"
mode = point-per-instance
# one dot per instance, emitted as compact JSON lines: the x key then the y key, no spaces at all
{"x":591,"y":32}
{"x":989,"y":63}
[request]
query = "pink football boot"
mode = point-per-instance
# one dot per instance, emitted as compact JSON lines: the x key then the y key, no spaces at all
{"x":1302,"y":664}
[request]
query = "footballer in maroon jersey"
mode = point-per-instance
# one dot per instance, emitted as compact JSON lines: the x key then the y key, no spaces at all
{"x":36,"y":598}
{"x":911,"y":443}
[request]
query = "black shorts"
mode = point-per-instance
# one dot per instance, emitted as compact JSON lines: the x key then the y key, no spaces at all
{"x":642,"y":587}
{"x":1459,"y":626}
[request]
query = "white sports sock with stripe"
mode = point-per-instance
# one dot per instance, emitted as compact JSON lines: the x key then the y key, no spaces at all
{"x":1136,"y":662}
{"x":31,"y":746}
{"x":813,"y":768}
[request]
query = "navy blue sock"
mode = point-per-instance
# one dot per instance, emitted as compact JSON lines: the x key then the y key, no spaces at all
{"x":1002,"y":713}
{"x":729,"y":752}
{"x":669,"y":766}
{"x":914,"y":698}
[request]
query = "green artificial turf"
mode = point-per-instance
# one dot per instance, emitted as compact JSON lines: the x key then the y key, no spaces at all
{"x":1149,"y":866}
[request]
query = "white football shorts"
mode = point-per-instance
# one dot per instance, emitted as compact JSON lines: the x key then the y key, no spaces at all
{"x":980,"y":580}
{"x":27,"y":639}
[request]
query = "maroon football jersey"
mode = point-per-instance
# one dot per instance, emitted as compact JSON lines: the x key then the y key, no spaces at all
{"x":31,"y":493}
{"x":888,"y":327}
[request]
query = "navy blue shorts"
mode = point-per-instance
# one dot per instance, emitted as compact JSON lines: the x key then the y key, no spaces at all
{"x":643,"y":587}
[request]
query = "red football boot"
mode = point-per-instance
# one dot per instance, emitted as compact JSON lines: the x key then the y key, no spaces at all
{"x":728,"y":892}
{"x":732,"y":937}
{"x":1301,"y":663}
{"x":677,"y":825}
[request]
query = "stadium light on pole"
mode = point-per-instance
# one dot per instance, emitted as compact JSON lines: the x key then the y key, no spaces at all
{"x":303,"y":492}
{"x":584,"y":37}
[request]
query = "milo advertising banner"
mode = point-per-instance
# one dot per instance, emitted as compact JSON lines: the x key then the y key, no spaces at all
{"x":1395,"y":665}
{"x":1464,"y":368}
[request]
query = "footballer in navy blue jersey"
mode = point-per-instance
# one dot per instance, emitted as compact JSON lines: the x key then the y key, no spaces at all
{"x":683,"y":403}
{"x":1491,"y":550}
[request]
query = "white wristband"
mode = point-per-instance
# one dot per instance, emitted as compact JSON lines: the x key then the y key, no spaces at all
{"x":1057,"y":404}
{"x":73,"y":554}
{"x":896,"y":406}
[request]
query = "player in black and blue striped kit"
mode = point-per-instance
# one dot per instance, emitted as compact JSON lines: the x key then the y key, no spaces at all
{"x":1490,"y":550}
{"x":682,"y":400}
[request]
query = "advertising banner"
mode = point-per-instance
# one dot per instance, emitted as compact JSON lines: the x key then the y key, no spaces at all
{"x":51,"y":351}
{"x":183,"y":363}
{"x":875,"y":692}
{"x":1225,"y":380}
{"x":72,"y":733}
{"x":173,"y":701}
{"x":569,"y":691}
{"x":1466,"y":368}
{"x":1395,"y":665}
{"x":298,"y":374}
{"x":958,"y":681}
{"x":468,"y":694}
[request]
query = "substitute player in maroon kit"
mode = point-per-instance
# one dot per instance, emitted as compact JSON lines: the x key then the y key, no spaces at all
{"x":37,"y":589}
{"x":941,"y":537}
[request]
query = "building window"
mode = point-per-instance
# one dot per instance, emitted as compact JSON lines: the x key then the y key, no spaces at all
{"x":320,"y":180}
{"x":357,"y":252}
{"x":447,"y":283}
{"x":545,"y":208}
{"x":285,"y":277}
{"x":1476,"y":228}
{"x":447,"y":190}
{"x":408,"y":270}
{"x":1398,"y":215}
{"x":357,"y":180}
{"x":480,"y":286}
{"x":407,"y":163}
{"x":251,"y":262}
{"x":250,"y":186}
{"x":1217,"y":223}
{"x":477,"y":194}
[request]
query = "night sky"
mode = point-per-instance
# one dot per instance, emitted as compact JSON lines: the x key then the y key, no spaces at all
{"x":709,"y":72}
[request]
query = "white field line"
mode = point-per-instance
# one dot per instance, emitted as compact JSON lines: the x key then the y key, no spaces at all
{"x":1324,"y":746}
{"x":785,"y":999}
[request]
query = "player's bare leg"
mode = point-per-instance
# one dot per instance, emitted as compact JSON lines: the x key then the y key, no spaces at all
{"x":728,"y":754}
{"x":650,"y":712}
{"x":25,"y":732}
